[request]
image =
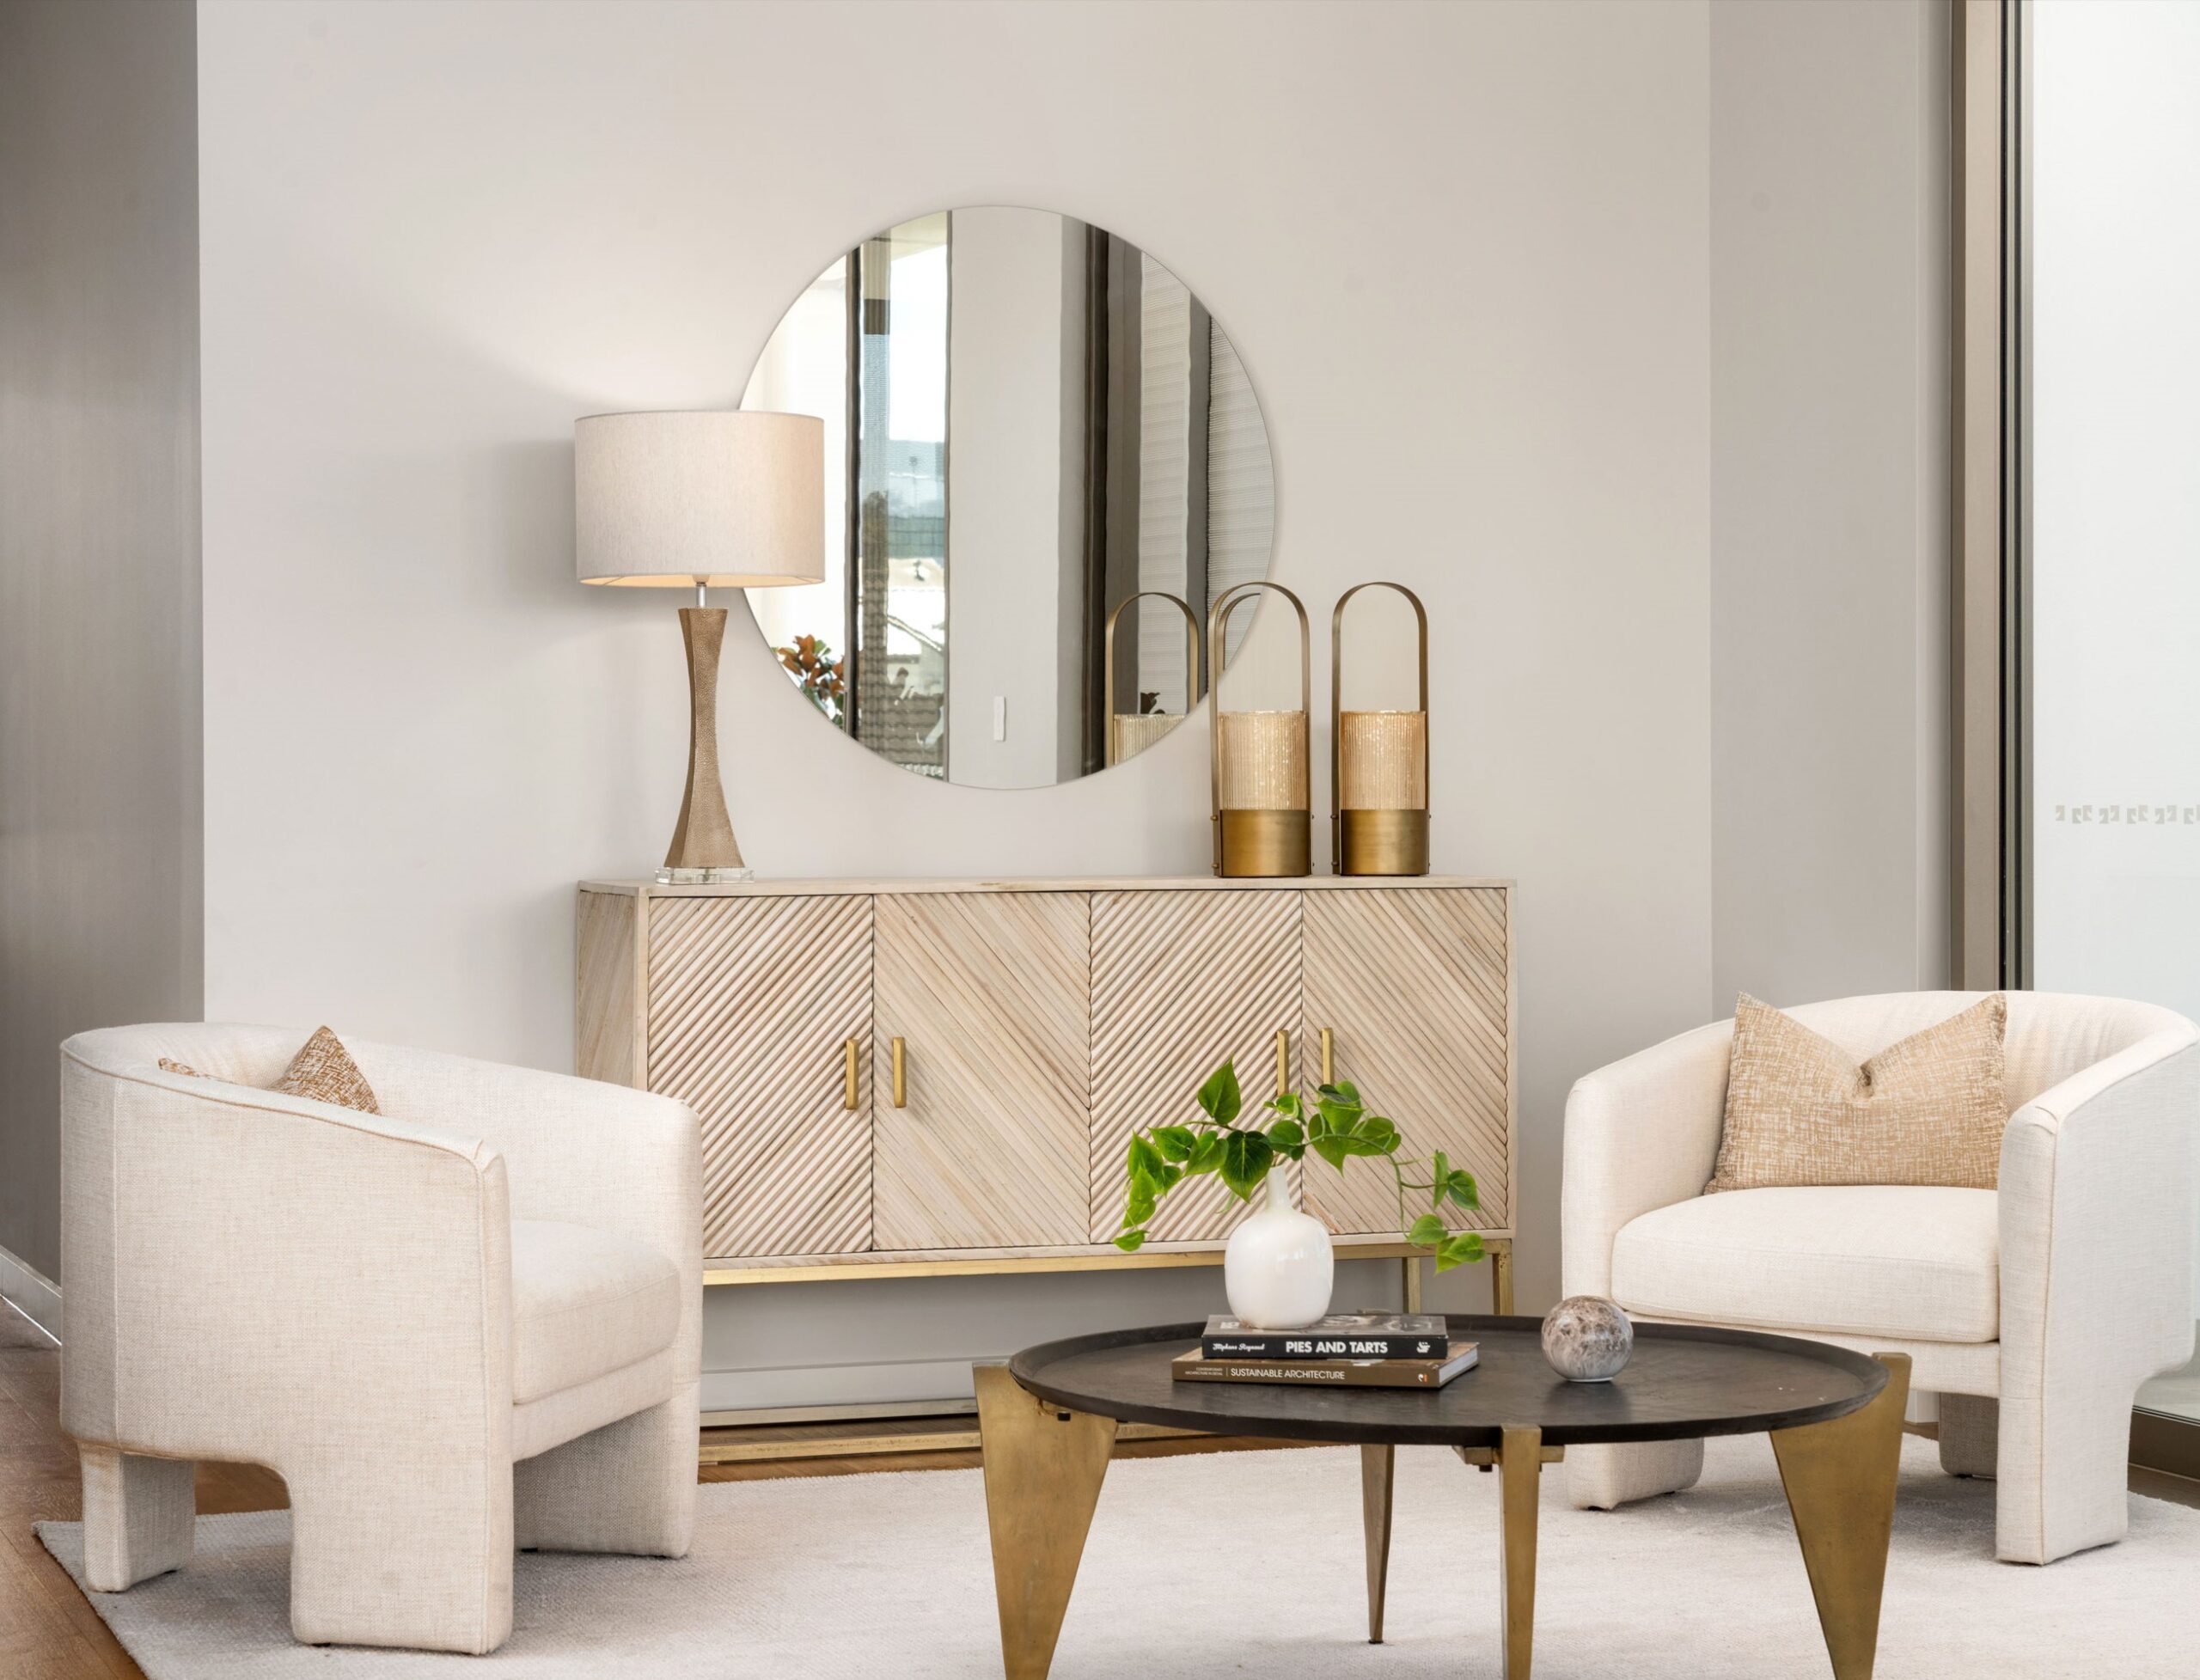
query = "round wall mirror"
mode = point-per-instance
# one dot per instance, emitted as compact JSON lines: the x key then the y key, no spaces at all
{"x":1030,"y":425}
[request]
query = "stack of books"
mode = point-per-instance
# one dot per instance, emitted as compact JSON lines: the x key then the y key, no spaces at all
{"x":1366,"y":1350}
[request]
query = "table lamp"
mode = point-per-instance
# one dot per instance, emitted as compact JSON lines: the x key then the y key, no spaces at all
{"x":686,"y":500}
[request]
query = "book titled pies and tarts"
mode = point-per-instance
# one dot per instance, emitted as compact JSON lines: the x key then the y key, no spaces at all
{"x":1365,"y":1350}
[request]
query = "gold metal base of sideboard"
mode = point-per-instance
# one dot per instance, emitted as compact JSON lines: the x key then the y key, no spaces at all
{"x":994,"y":1262}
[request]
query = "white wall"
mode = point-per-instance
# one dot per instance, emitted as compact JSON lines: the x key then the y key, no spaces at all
{"x":1475,"y":297}
{"x":1828,"y":498}
{"x":99,"y":568}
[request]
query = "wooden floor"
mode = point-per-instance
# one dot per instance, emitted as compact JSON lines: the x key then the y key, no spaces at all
{"x":48,"y":1632}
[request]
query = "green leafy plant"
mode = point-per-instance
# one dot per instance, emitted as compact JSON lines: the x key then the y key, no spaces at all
{"x":1334,"y":1124}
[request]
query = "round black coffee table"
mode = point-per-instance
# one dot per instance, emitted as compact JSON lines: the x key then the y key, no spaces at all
{"x":1049,"y":1419}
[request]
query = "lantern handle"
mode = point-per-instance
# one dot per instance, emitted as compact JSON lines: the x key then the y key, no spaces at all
{"x":1218,"y":651}
{"x":1107,"y":662}
{"x":1336,"y":708}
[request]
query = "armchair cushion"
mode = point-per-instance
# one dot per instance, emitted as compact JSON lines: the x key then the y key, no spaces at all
{"x":1800,"y":1109}
{"x":1913,"y":1261}
{"x":586,"y":1302}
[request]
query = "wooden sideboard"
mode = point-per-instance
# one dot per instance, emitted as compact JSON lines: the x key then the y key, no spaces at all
{"x":1034,"y":1023}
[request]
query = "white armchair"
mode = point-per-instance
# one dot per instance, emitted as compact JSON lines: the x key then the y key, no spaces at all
{"x":2035,"y":1310}
{"x":469,"y":1324}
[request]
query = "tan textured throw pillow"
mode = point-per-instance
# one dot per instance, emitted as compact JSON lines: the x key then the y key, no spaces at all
{"x":324,"y":1071}
{"x":1928,"y":1110}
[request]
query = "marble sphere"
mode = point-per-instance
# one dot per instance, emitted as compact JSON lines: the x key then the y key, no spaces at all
{"x":1587,"y":1338}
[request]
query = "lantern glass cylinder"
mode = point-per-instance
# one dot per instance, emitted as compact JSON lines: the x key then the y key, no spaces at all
{"x":1137,"y":730}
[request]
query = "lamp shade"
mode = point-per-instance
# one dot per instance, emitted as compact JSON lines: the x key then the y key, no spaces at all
{"x":732,"y":497}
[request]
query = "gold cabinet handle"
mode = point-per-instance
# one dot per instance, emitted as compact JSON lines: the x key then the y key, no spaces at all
{"x":901,"y":1075}
{"x":1329,"y":1057}
{"x":851,"y":1097}
{"x":1282,"y":1060}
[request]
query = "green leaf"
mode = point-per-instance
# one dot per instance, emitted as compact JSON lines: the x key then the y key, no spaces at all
{"x":1342,"y":1117}
{"x":1288,"y":1102}
{"x":1145,"y":1158}
{"x":1457,"y":1250}
{"x":1139,"y":1209}
{"x":1440,"y":1166}
{"x":1331,"y":1148}
{"x":1174,"y":1142}
{"x":1428,"y":1230}
{"x":1348,"y":1093}
{"x":1380,"y":1135}
{"x":1461,"y":1189}
{"x":1219,"y":1097}
{"x":1130,"y":1241}
{"x":1206,"y":1152}
{"x":1287,"y":1134}
{"x":1246,"y":1159}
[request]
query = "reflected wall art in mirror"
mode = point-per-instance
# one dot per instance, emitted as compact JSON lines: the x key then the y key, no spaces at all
{"x":1028,"y":422}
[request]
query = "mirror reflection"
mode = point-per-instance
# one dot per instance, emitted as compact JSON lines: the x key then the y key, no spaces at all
{"x":1028,"y":422}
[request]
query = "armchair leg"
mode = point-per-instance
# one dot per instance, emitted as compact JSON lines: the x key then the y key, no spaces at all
{"x":2061,"y":1473}
{"x":1600,"y":1478}
{"x":387,"y":1551}
{"x":1969,"y":1431}
{"x":138,"y":1513}
{"x":629,"y":1487}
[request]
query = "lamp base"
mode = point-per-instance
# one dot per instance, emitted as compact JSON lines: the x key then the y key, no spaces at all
{"x":667,"y":876}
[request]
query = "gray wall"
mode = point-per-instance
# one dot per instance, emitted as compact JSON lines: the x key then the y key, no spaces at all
{"x":100,"y":852}
{"x":1473,"y":297}
{"x":1828,"y":498}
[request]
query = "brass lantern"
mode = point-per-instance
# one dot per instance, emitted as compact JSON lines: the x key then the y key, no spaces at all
{"x":1379,"y":768}
{"x":1130,"y":733}
{"x":1263,"y":816}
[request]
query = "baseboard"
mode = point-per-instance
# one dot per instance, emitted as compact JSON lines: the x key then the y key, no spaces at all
{"x":2170,"y":1445}
{"x":33,"y":1294}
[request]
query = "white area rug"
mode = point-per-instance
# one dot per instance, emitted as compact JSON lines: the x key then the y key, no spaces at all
{"x":1239,"y":1563}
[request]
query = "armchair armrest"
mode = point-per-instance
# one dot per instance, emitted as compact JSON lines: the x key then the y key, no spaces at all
{"x":2096,"y":1219}
{"x":1641,"y":1135}
{"x":605,"y":1156}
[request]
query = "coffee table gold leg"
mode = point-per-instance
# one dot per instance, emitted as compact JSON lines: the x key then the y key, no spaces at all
{"x":1499,"y":1250}
{"x":1043,"y":1468}
{"x":1378,"y":1472}
{"x":1520,"y":1464}
{"x":1840,"y":1478}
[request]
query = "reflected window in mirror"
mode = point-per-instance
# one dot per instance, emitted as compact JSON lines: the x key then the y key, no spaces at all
{"x":1028,"y":422}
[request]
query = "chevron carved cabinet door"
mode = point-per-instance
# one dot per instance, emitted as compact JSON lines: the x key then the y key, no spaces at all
{"x":1414,"y":986}
{"x":987,"y":994}
{"x":753,"y":1005}
{"x":1180,"y":981}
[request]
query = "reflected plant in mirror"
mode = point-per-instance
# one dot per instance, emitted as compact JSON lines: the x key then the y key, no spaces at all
{"x":1028,"y":423}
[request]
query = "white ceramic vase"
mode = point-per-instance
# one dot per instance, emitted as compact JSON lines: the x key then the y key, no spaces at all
{"x":1279,"y":1268}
